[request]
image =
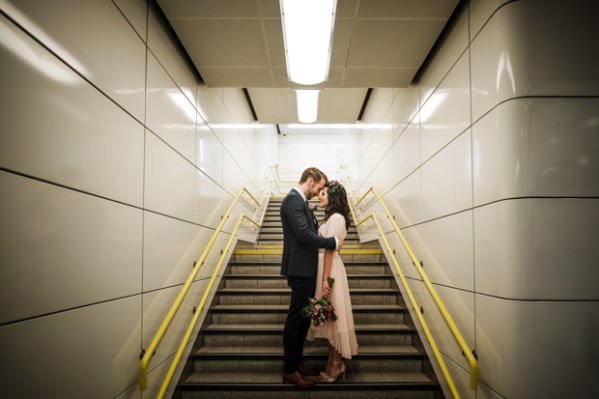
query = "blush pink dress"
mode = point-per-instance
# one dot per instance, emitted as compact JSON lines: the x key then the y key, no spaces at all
{"x":340,"y":333}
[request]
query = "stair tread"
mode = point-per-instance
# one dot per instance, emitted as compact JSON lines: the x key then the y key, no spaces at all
{"x":256,"y":351}
{"x":284,"y":291}
{"x":279,"y":276}
{"x":258,"y":308}
{"x":275,"y":378}
{"x":278,"y":263}
{"x":279,"y":327}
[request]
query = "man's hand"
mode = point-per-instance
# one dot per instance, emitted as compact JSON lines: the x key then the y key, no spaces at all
{"x":340,"y":242}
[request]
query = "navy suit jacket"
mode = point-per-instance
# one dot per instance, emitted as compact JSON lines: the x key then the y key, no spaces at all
{"x":300,"y":238}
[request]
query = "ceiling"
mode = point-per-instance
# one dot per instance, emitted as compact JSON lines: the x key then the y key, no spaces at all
{"x":239,"y":43}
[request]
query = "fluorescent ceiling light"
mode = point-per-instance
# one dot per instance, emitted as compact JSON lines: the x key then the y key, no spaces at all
{"x":307,"y":105}
{"x":308,"y":32}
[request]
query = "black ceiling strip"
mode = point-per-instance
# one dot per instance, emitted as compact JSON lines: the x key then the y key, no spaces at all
{"x":364,"y":103}
{"x":249,"y":100}
{"x":155,"y":7}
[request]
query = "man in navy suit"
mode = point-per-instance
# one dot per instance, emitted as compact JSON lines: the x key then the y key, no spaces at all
{"x":300,"y":264}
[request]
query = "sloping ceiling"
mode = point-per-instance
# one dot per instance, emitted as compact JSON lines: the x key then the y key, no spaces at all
{"x":239,"y":43}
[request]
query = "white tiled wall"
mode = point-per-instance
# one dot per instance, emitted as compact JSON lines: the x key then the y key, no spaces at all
{"x":494,"y":182}
{"x":116,"y":164}
{"x":299,"y":149}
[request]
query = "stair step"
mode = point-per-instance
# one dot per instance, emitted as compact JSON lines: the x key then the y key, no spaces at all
{"x":366,"y":351}
{"x":259,"y":385}
{"x":354,"y":264}
{"x":268,"y":256}
{"x":279,"y":230}
{"x":364,"y":269}
{"x":278,"y":328}
{"x":257,"y":281}
{"x":278,"y":239}
{"x":283,"y":308}
{"x":272,"y":334}
{"x":256,"y":363}
{"x":267,"y":358}
{"x":380,"y":377}
{"x":287,"y":291}
{"x":274,"y":314}
{"x":351,"y":229}
{"x":281,"y":296}
{"x":267,"y":291}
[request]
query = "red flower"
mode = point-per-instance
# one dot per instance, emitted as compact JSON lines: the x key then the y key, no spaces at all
{"x":319,"y":310}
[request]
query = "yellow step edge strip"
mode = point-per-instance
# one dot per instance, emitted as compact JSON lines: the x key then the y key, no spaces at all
{"x":277,"y":246}
{"x":280,"y":252}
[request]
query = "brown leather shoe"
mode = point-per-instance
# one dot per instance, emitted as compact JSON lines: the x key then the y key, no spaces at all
{"x":297,"y":380}
{"x":303,"y":370}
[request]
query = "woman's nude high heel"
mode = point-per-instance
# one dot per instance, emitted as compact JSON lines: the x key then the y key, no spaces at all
{"x":332,"y":378}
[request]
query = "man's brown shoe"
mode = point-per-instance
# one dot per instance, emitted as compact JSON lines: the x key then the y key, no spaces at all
{"x":303,"y":370}
{"x":297,"y":380}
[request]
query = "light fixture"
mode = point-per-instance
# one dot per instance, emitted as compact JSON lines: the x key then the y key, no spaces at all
{"x":307,"y":105}
{"x":308,"y":33}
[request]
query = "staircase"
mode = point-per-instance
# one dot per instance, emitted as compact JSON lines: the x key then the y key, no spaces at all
{"x":239,"y":351}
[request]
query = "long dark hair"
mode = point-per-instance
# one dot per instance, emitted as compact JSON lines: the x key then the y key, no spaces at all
{"x":338,"y":202}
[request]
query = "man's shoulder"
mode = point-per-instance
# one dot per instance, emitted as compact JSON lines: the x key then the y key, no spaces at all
{"x":291,"y":195}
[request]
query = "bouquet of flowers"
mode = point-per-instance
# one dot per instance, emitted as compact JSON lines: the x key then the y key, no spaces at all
{"x":320,"y":310}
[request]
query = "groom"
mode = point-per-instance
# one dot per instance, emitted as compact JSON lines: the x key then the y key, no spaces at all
{"x":300,"y":264}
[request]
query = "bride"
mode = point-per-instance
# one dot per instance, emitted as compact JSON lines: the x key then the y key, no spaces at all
{"x":341,"y":333}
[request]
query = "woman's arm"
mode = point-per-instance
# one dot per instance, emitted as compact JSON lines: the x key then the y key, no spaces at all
{"x":326,"y":273}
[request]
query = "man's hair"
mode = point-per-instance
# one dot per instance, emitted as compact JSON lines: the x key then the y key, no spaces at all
{"x":315,"y":173}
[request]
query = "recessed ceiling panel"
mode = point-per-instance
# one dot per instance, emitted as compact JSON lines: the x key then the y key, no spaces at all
{"x":209,"y":9}
{"x":379,"y":77}
{"x":346,"y":8}
{"x":225,"y":43}
{"x":237,"y":77}
{"x":407,"y":9}
{"x":392,"y":43}
{"x":342,"y":39}
{"x":274,"y":40}
{"x":269,"y":8}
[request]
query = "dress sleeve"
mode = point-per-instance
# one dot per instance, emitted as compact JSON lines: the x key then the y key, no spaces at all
{"x":336,"y":226}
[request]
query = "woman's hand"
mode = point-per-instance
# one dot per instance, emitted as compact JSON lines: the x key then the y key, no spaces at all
{"x":326,"y":289}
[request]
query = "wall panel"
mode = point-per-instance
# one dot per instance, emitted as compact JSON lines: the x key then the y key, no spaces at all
{"x":81,"y":43}
{"x":47,"y":105}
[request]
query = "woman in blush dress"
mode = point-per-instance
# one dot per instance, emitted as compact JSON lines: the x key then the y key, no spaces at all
{"x":341,"y":333}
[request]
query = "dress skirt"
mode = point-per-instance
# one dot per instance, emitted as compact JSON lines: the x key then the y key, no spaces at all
{"x":340,"y":333}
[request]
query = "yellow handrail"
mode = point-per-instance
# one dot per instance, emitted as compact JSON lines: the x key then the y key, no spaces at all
{"x":171,"y":371}
{"x":467,"y":352}
{"x":149,"y":353}
{"x":266,"y":194}
{"x":275,"y":173}
{"x":417,"y":312}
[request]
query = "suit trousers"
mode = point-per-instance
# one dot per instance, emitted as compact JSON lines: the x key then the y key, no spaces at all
{"x":296,"y":325}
